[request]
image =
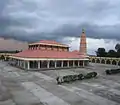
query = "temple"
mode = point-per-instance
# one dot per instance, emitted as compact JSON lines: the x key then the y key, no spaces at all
{"x":48,"y":54}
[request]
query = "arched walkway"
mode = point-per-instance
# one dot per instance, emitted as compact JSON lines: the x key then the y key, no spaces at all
{"x":98,"y":61}
{"x":114,"y":62}
{"x":93,"y":60}
{"x":108,"y":61}
{"x":103,"y":61}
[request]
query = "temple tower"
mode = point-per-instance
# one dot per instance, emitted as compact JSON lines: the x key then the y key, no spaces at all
{"x":83,"y":45}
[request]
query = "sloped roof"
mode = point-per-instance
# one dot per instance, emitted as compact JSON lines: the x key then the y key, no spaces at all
{"x":75,"y":51}
{"x":49,"y":54}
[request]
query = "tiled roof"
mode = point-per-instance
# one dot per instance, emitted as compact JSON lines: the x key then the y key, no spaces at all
{"x":48,"y":54}
{"x":75,"y":51}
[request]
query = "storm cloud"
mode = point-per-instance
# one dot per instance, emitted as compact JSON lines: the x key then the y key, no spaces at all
{"x":32,"y":20}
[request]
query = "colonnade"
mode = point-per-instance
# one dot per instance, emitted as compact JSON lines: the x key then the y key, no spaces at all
{"x":105,"y":60}
{"x":49,"y":64}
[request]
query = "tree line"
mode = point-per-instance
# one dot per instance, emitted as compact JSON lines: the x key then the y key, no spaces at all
{"x":101,"y":52}
{"x":14,"y":51}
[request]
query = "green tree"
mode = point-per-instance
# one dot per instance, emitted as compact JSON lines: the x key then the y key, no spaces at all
{"x":2,"y":57}
{"x":111,"y":53}
{"x":118,"y":53}
{"x":101,"y":52}
{"x":117,"y":47}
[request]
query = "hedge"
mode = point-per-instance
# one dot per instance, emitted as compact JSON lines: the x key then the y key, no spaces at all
{"x":112,"y":71}
{"x":90,"y":75}
{"x":71,"y":78}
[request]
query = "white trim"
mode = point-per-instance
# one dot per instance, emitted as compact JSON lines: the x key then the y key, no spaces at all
{"x":37,"y":59}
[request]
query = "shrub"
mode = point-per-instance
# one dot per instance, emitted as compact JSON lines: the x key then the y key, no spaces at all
{"x":90,"y":75}
{"x":80,"y":77}
{"x":112,"y":71}
{"x":71,"y":78}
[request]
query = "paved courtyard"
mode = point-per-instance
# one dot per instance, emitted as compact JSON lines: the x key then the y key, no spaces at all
{"x":19,"y":87}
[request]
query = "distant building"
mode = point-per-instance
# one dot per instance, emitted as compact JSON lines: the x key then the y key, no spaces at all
{"x":48,"y":54}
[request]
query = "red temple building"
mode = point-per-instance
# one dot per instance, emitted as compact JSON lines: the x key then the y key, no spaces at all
{"x":47,"y":54}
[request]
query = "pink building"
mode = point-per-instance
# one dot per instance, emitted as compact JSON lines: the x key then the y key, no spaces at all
{"x":47,"y":54}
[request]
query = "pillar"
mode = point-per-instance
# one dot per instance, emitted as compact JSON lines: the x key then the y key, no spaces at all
{"x":55,"y":64}
{"x":73,"y":63}
{"x":62,"y":64}
{"x":28,"y":65}
{"x":24,"y":64}
{"x":111,"y":62}
{"x":105,"y":61}
{"x":83,"y":63}
{"x":38,"y":64}
{"x":48,"y":64}
{"x":78,"y":64}
{"x":95,"y":60}
{"x":117,"y":63}
{"x":68,"y":63}
{"x":20,"y":63}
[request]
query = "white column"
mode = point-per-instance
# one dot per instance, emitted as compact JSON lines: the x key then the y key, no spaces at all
{"x":111,"y":62}
{"x":20,"y":63}
{"x":117,"y":63}
{"x":24,"y":64}
{"x":48,"y":64}
{"x":73,"y":63}
{"x":83,"y":63}
{"x":38,"y":64}
{"x":68,"y":63}
{"x":78,"y":64}
{"x":95,"y":60}
{"x":105,"y":61}
{"x":28,"y":63}
{"x":55,"y":64}
{"x":62,"y":64}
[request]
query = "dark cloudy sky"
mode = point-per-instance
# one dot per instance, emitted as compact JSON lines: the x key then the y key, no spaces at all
{"x":62,"y":20}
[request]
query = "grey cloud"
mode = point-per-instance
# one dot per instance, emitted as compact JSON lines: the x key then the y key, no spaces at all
{"x":32,"y":20}
{"x":92,"y":31}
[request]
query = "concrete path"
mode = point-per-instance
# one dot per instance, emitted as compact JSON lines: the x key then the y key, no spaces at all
{"x":19,"y":87}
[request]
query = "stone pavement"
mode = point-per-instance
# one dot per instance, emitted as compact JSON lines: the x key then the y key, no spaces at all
{"x":20,"y":87}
